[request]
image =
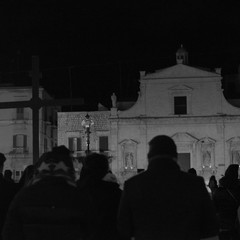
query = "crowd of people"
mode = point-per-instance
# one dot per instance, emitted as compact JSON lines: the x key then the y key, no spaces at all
{"x":161,"y":202}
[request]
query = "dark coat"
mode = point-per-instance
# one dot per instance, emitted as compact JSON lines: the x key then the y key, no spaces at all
{"x":7,"y":193}
{"x":49,"y":209}
{"x":166,"y":203}
{"x":106,"y":197}
{"x":226,"y":200}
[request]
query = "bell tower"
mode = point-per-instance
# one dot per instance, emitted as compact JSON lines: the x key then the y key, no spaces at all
{"x":182,"y":56}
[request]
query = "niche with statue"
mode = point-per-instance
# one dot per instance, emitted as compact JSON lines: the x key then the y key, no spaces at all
{"x":129,"y":155}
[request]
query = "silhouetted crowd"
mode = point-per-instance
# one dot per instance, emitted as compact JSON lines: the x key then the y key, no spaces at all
{"x":163,"y":202}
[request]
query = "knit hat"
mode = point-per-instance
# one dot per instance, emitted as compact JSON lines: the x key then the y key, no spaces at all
{"x":57,"y":163}
{"x":162,"y":145}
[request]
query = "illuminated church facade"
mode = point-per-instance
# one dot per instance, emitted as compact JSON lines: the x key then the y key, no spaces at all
{"x":184,"y":102}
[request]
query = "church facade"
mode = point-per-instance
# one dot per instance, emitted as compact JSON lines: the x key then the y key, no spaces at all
{"x":183,"y":102}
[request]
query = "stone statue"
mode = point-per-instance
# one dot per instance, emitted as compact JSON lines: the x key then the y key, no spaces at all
{"x":114,"y":100}
{"x":129,"y":160}
{"x":207,"y":159}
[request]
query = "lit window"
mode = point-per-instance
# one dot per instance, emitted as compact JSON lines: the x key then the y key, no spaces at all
{"x":74,"y":144}
{"x":20,"y":141}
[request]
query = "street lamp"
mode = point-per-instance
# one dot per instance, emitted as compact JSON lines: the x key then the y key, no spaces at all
{"x":87,"y":122}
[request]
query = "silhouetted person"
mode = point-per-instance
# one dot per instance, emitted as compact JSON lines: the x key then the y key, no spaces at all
{"x":7,"y":192}
{"x":104,"y":189}
{"x":26,"y":176}
{"x":192,"y":171}
{"x":212,"y":184}
{"x":227,"y":199}
{"x":165,"y":203}
{"x":8,"y":175}
{"x":50,"y":206}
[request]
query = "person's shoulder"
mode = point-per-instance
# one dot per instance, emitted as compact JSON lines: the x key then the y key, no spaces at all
{"x":136,"y":179}
{"x":109,"y":186}
{"x":193,"y":180}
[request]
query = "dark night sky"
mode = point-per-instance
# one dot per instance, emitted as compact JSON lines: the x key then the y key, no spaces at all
{"x":103,"y":42}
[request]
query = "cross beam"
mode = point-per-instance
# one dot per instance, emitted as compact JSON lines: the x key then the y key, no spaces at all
{"x":35,"y":103}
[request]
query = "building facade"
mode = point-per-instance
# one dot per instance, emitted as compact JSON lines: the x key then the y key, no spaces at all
{"x":181,"y":101}
{"x":16,"y":129}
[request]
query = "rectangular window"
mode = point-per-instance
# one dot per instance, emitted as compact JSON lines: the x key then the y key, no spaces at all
{"x":20,"y":113}
{"x":103,"y":143}
{"x":74,"y":144}
{"x":20,"y":141}
{"x":180,"y":105}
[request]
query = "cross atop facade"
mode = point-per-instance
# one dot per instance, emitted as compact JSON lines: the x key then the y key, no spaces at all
{"x":35,"y":103}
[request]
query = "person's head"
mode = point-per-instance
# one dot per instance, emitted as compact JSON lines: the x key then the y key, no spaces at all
{"x":231,"y":176}
{"x":27,"y":175}
{"x":232,"y":171}
{"x":212,"y":181}
{"x":2,"y":160}
{"x":162,"y":145}
{"x":55,"y":163}
{"x":212,"y":178}
{"x":8,"y":174}
{"x":95,"y":165}
{"x":192,"y":171}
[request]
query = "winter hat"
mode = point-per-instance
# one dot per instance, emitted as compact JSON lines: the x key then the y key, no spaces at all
{"x":162,"y":145}
{"x":232,"y":171}
{"x":57,"y":163}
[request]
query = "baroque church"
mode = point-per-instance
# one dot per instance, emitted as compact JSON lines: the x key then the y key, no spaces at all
{"x":181,"y":101}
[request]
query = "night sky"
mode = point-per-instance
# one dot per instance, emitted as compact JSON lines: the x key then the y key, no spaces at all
{"x":102,"y":45}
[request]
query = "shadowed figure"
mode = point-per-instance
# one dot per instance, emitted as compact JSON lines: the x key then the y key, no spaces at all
{"x":192,"y":171}
{"x":105,"y":191}
{"x":7,"y":192}
{"x":227,"y":199}
{"x":26,"y":176}
{"x":164,"y":202}
{"x":8,"y":176}
{"x":212,"y":184}
{"x":49,"y":206}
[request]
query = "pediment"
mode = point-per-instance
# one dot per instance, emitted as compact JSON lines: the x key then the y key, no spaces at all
{"x":206,"y":140}
{"x":128,"y":142}
{"x":184,"y":137}
{"x":233,"y":139}
{"x":180,"y":88}
{"x":180,"y":71}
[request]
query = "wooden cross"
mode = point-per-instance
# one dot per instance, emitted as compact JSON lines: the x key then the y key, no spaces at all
{"x":35,"y":103}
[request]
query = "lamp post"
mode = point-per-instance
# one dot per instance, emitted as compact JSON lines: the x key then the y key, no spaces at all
{"x":87,"y":122}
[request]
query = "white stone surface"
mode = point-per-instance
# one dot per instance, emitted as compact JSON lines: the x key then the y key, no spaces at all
{"x":10,"y":126}
{"x":209,"y":132}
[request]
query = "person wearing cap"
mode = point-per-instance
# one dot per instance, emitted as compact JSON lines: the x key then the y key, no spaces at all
{"x":50,"y":206}
{"x":97,"y":178}
{"x":165,"y":203}
{"x":7,"y":192}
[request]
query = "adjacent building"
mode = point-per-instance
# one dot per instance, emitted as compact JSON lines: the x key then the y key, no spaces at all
{"x":16,"y":129}
{"x":181,"y":101}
